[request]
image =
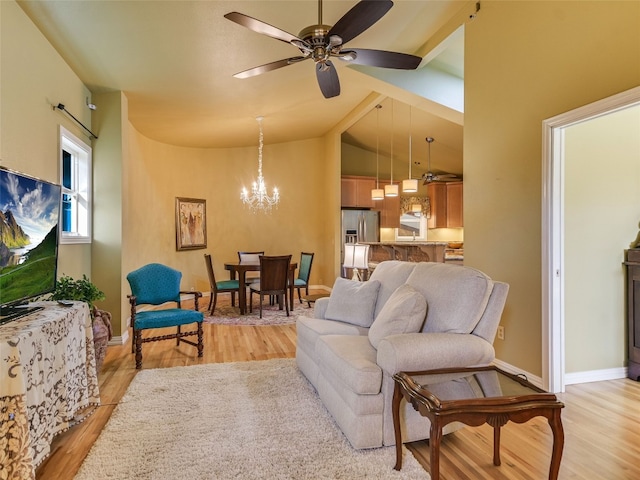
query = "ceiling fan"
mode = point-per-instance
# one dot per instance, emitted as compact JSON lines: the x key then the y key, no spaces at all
{"x":321,"y":42}
{"x":429,"y":176}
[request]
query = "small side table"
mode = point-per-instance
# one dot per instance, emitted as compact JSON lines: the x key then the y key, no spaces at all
{"x":474,"y":396}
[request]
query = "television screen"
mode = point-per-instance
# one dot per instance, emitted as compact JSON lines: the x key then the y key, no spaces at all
{"x":29,"y":213}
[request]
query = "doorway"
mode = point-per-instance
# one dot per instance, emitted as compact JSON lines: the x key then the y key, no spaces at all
{"x":591,"y":194}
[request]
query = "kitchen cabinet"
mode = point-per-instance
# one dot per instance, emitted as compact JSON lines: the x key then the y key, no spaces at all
{"x":437,"y":193}
{"x":356,"y":191}
{"x":389,"y":210}
{"x":446,"y":205}
{"x":454,"y":205}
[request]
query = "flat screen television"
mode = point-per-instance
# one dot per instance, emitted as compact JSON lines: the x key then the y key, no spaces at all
{"x":29,"y":217}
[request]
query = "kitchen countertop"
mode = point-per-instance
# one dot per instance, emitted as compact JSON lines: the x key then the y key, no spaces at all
{"x":407,"y":243}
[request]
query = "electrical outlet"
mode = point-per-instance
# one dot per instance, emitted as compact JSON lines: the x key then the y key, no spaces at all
{"x":501,"y":332}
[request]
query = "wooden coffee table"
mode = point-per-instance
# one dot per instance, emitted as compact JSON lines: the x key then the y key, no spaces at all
{"x":474,"y":396}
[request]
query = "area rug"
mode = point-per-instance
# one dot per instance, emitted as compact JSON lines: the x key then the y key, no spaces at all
{"x":245,"y":420}
{"x":225,"y":314}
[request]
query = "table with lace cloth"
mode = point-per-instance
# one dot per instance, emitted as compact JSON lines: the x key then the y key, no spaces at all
{"x":47,"y":380}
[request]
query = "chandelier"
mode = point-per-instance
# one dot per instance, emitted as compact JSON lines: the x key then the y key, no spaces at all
{"x":259,"y":198}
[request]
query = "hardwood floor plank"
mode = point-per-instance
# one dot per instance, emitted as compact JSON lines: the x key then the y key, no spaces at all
{"x":602,"y":438}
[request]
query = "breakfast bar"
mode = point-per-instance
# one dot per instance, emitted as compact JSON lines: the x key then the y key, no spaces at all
{"x":406,"y":251}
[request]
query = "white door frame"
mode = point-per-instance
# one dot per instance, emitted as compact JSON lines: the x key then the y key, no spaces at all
{"x":553,"y":345}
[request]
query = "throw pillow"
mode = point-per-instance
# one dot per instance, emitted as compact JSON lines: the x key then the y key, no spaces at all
{"x":353,"y":302}
{"x":404,"y":312}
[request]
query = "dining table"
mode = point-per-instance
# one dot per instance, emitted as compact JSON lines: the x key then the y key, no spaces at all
{"x":240,"y":269}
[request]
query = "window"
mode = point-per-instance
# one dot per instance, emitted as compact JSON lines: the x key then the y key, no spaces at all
{"x":75,"y":178}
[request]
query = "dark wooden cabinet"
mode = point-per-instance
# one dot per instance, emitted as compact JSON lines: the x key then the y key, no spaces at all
{"x":632,"y":263}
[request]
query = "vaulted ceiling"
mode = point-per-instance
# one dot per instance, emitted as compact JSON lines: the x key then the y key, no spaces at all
{"x":175,"y":61}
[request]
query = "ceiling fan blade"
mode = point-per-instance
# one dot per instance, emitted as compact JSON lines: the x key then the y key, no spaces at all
{"x":328,"y":79}
{"x":261,"y":27}
{"x":363,"y":14}
{"x":382,"y":58}
{"x":252,"y":72}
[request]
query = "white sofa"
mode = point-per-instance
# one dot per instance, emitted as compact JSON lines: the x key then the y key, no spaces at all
{"x":351,"y":363}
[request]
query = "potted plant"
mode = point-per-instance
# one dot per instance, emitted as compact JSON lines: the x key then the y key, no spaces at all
{"x":85,"y":291}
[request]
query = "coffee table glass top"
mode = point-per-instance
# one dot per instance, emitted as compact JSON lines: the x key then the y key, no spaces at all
{"x":485,"y":384}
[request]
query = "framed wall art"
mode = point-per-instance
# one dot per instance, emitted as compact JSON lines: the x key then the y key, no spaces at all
{"x":191,"y":223}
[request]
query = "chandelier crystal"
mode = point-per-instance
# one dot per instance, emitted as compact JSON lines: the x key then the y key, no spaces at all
{"x":259,"y":198}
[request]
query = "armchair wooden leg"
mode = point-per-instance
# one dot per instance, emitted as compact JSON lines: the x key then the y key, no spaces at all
{"x":200,"y":343}
{"x":138,"y":343}
{"x":178,"y":337}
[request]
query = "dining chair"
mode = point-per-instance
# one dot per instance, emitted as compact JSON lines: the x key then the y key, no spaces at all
{"x":223,"y":286}
{"x":156,"y":284}
{"x":251,"y":277}
{"x":274,"y":275}
{"x":304,"y":272}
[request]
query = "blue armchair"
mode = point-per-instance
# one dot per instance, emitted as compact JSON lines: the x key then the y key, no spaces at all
{"x":155,"y":284}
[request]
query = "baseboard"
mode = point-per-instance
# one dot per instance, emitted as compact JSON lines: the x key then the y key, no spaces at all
{"x":530,"y":377}
{"x":119,"y":339}
{"x":595,"y":375}
{"x":569,"y":378}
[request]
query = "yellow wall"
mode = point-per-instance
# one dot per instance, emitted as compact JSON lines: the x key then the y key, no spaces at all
{"x":110,"y":162}
{"x":526,"y":61}
{"x":33,"y":78}
{"x":601,"y":214}
{"x":158,"y":173}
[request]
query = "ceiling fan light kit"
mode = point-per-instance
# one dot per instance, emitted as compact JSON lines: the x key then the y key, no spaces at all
{"x":430,"y":177}
{"x":321,"y":42}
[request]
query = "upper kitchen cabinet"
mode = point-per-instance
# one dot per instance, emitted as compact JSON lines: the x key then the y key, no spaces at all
{"x":454,"y":205}
{"x":389,"y":210}
{"x":356,"y":191}
{"x":446,"y":205}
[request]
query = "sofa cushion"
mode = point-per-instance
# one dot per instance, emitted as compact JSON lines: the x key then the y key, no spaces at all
{"x":352,"y":359}
{"x":404,"y":312}
{"x":310,"y":329}
{"x":391,"y":274}
{"x":353,"y":302}
{"x":457,"y":296}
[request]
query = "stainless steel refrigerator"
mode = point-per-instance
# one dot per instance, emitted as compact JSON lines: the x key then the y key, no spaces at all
{"x":359,"y":226}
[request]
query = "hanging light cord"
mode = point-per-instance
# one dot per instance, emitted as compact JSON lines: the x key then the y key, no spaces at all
{"x":378,"y":107}
{"x":410,"y":177}
{"x":392,"y":141}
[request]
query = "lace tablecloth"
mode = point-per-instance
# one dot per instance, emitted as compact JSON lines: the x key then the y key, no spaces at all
{"x":47,"y":376}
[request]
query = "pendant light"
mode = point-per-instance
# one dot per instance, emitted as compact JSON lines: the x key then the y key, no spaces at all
{"x":391,"y":190}
{"x":410,"y":185}
{"x":377,"y":193}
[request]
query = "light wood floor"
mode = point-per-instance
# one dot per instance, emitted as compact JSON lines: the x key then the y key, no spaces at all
{"x":601,"y":420}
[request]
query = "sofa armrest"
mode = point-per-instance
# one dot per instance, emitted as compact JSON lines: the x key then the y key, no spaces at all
{"x":320,"y":307}
{"x":412,"y":352}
